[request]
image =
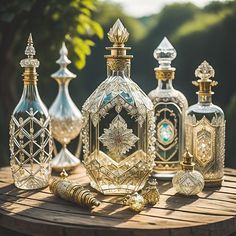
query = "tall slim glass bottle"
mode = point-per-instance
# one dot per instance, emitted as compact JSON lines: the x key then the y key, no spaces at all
{"x":205,"y":129}
{"x":30,"y":131}
{"x":170,"y":106}
{"x":66,"y":118}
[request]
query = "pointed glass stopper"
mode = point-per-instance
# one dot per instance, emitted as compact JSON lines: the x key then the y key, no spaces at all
{"x":118,"y":34}
{"x":30,"y":52}
{"x":205,"y":71}
{"x":63,"y":61}
{"x":164,"y":54}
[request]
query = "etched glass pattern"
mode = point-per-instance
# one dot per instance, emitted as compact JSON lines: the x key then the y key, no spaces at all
{"x":118,"y":131}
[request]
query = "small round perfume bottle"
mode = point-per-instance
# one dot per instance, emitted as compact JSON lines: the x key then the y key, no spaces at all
{"x":188,"y":181}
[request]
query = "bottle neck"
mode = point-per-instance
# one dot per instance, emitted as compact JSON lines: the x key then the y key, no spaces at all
{"x":165,"y":84}
{"x":118,"y":73}
{"x":30,"y":91}
{"x":63,"y":88}
{"x":204,"y":99}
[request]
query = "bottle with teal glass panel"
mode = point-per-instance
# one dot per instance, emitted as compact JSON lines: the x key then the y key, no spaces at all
{"x":170,"y":106}
{"x":118,"y":131}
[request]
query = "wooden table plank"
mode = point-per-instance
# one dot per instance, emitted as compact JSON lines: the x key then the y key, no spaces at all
{"x":210,"y":212}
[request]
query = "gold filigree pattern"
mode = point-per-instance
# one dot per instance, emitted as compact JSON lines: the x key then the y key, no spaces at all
{"x":206,"y":140}
{"x":175,"y":100}
{"x":117,"y":64}
{"x":205,"y":71}
{"x":31,"y":150}
{"x":165,"y":74}
{"x":118,"y":159}
{"x":118,"y":138}
{"x":112,"y":178}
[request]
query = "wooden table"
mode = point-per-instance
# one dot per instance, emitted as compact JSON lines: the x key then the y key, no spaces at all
{"x":40,"y":213}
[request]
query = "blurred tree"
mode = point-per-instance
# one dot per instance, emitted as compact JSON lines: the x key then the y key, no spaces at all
{"x":50,"y":22}
{"x":197,"y":35}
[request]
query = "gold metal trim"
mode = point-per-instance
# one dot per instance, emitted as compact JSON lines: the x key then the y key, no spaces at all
{"x":162,"y":74}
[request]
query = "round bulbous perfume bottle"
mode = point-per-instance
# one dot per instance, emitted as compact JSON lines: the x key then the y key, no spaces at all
{"x":205,"y":129}
{"x":66,"y":118}
{"x":170,"y":106}
{"x":30,"y":131}
{"x":188,"y":181}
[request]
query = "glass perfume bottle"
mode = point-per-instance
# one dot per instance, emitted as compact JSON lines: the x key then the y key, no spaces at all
{"x":30,"y":131}
{"x":188,"y":181}
{"x":66,"y":118}
{"x":205,"y":129}
{"x":170,"y":107}
{"x":118,"y":131}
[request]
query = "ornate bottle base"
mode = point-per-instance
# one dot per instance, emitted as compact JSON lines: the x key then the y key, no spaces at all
{"x":116,"y":191}
{"x":163,"y":175}
{"x":64,"y":160}
{"x":165,"y":170}
{"x":112,"y":178}
{"x":36,"y":181}
{"x":214,"y":182}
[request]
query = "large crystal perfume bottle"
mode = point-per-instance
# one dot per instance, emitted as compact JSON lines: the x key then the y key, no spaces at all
{"x":30,"y":131}
{"x":170,"y":106}
{"x":205,"y":129}
{"x":118,"y":132}
{"x":65,"y":116}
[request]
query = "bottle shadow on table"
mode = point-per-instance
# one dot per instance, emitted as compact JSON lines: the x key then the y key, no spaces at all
{"x":9,"y":194}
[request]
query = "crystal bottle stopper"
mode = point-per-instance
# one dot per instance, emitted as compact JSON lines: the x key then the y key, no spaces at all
{"x":30,"y":52}
{"x":63,"y":61}
{"x":205,"y":72}
{"x":118,"y":34}
{"x":164,"y":54}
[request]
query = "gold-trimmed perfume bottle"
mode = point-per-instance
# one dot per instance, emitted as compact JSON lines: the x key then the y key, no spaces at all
{"x":30,"y":131}
{"x":205,"y":129}
{"x":118,"y":132}
{"x":188,"y":181}
{"x":170,"y":106}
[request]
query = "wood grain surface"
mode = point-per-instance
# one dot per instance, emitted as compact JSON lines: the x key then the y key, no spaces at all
{"x":39,"y":212}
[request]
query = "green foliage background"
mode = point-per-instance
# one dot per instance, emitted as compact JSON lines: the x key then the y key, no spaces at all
{"x":196,"y":33}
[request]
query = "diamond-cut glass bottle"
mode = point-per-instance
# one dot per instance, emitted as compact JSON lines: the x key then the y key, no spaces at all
{"x":205,"y":129}
{"x":118,"y":126}
{"x":170,"y":106}
{"x":188,"y":181}
{"x":30,"y":131}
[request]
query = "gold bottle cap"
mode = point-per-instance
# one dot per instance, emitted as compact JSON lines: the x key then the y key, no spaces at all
{"x":30,"y":63}
{"x":63,"y":174}
{"x":187,"y":163}
{"x":164,"y":54}
{"x":118,"y":35}
{"x":205,"y":72}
